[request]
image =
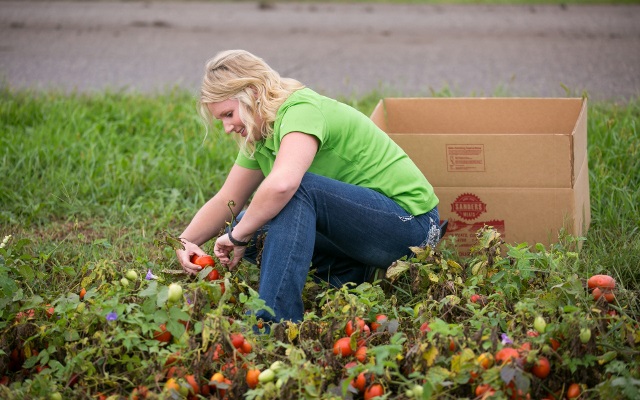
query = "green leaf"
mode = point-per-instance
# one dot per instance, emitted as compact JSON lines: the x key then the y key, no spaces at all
{"x":71,"y":335}
{"x":606,"y":357}
{"x":163,"y":296}
{"x":26,"y":271}
{"x":150,"y":290}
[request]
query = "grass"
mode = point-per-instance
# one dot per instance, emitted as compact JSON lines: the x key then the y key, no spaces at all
{"x":123,"y":167}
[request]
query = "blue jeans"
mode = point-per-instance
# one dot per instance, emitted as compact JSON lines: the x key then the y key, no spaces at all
{"x":342,"y":231}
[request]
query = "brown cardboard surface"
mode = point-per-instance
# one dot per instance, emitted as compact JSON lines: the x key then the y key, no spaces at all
{"x":531,"y":215}
{"x":490,"y":142}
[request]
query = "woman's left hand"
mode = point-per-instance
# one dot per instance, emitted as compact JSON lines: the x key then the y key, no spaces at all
{"x":223,"y":249}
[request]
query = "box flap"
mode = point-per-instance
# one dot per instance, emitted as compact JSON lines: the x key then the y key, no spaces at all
{"x":490,"y":142}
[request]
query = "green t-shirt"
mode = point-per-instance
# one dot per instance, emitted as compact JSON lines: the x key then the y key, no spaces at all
{"x":352,"y":149}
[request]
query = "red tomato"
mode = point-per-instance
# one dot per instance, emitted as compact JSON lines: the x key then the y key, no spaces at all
{"x":162,"y":335}
{"x":342,"y":346}
{"x":214,"y":275}
{"x":424,"y":328}
{"x":237,"y":339}
{"x":573,"y":391}
{"x":203,"y":260}
{"x":380,"y":320}
{"x":542,"y":368}
{"x":361,"y":326}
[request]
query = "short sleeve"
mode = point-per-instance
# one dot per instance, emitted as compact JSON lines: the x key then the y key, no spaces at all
{"x":246,"y":162}
{"x":305,"y":118}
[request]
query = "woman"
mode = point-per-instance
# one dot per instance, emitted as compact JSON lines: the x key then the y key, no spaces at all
{"x":332,"y":192}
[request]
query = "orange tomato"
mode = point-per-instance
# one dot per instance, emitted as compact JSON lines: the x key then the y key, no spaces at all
{"x":373,"y":391}
{"x":573,"y":391}
{"x":83,"y":291}
{"x":342,"y":346}
{"x":542,"y":368}
{"x":252,"y":377}
{"x":217,"y":377}
{"x":361,"y":354}
{"x":172,"y":384}
{"x":246,"y":347}
{"x":602,"y":282}
{"x":485,"y":360}
{"x":482,"y":389}
{"x":191,"y":380}
{"x":507,"y":354}
{"x":609,"y":296}
{"x":360,"y":382}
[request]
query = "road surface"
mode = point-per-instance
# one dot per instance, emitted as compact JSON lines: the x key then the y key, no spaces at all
{"x":337,"y":49}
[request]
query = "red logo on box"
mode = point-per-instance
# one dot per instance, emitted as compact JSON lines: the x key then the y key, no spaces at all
{"x":468,"y":206}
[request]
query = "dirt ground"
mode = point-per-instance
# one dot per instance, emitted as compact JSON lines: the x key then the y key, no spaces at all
{"x":340,"y":50}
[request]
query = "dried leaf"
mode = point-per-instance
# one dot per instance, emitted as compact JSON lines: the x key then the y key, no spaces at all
{"x":292,"y":332}
{"x":429,"y":355}
{"x":396,"y":270}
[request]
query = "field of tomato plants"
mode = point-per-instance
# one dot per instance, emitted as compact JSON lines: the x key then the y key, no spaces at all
{"x":95,"y":187}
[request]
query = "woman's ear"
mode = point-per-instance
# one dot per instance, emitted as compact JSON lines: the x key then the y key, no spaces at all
{"x":256,"y":95}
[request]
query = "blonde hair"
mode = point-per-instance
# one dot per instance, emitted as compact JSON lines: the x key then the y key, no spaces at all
{"x":240,"y":75}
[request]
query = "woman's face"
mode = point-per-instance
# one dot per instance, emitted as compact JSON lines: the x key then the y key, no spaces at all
{"x":228,"y":112}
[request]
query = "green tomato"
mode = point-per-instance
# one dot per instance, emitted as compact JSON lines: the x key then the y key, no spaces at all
{"x":55,"y":396}
{"x":125,"y":282}
{"x":266,"y":376}
{"x":585,"y":335}
{"x":417,"y":390}
{"x":540,"y":324}
{"x":175,"y":292}
{"x":276,"y":365}
{"x":131,"y":275}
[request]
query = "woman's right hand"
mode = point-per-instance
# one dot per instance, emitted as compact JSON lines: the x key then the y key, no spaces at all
{"x":184,"y":257}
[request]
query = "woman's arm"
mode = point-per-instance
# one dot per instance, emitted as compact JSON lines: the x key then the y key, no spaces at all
{"x":297,"y":151}
{"x":214,"y":214}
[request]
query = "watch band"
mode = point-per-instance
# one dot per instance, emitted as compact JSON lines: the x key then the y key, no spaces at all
{"x":235,"y":241}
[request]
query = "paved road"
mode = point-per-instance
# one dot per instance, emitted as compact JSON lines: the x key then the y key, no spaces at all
{"x":336,"y":49}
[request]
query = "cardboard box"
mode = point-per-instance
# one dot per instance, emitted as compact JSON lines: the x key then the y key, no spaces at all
{"x":518,"y":164}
